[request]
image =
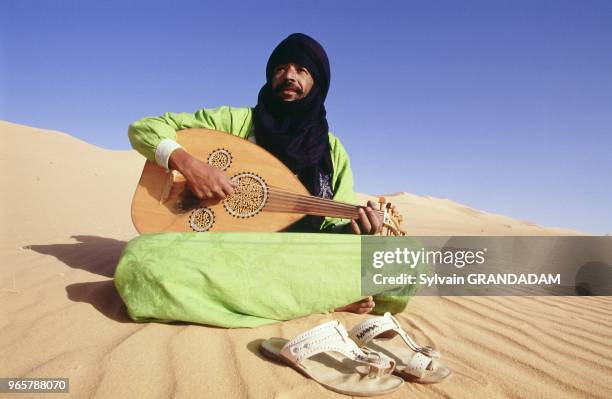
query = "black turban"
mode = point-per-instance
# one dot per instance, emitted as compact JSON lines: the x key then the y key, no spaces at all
{"x":296,"y":131}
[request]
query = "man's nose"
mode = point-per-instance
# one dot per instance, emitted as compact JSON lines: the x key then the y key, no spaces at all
{"x":291,"y":73}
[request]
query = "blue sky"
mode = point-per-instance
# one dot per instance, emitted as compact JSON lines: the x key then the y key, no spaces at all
{"x":505,"y":106}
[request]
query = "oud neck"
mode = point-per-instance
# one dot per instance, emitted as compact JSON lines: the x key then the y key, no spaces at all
{"x":284,"y":201}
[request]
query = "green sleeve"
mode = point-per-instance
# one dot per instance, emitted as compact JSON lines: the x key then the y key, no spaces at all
{"x":146,"y":134}
{"x":342,"y":181}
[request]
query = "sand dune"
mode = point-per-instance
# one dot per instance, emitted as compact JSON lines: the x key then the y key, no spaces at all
{"x":425,"y":215}
{"x":65,"y":218}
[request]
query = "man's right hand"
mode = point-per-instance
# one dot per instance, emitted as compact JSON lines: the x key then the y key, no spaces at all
{"x":205,"y":181}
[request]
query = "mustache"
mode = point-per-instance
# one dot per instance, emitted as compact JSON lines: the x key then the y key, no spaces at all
{"x":289,"y":85}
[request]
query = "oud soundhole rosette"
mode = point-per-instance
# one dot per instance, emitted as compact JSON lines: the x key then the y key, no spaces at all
{"x":220,"y":158}
{"x":249,"y":197}
{"x":201,"y":219}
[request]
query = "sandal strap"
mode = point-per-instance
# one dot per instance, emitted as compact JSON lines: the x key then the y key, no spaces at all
{"x":367,"y":330}
{"x":333,"y":337}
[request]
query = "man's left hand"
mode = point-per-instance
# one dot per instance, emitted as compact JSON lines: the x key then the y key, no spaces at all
{"x":368,"y":221}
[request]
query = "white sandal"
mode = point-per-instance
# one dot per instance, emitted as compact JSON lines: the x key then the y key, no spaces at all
{"x":414,"y":363}
{"x":327,"y":355}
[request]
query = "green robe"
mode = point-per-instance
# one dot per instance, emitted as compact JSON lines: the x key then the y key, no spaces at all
{"x":240,"y":279}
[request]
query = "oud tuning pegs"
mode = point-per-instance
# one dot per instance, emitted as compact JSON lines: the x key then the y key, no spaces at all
{"x":393,"y":226}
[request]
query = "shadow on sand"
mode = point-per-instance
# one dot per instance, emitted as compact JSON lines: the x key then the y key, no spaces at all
{"x":97,"y":255}
{"x":103,"y":296}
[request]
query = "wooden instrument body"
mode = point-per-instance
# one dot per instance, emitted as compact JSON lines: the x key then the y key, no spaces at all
{"x":156,"y":206}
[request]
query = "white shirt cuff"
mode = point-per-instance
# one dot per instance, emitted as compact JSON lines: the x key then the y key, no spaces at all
{"x":164,"y":150}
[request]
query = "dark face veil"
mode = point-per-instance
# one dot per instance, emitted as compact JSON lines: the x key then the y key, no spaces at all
{"x":296,"y":132}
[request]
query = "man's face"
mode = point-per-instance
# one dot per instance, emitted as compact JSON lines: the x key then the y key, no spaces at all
{"x":291,"y":82}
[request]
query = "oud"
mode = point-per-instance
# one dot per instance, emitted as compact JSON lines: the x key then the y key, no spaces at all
{"x":267,"y":195}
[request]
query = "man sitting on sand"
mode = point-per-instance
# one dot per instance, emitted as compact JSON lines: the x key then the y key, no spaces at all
{"x":289,"y":121}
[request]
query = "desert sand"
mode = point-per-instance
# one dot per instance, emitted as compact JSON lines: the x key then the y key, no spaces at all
{"x":65,"y":217}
